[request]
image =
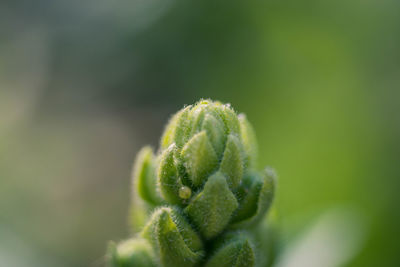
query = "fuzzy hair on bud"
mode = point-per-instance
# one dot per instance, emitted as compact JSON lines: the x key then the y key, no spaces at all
{"x":194,"y":198}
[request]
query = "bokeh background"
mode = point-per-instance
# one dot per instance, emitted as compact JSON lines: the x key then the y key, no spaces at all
{"x":85,"y":84}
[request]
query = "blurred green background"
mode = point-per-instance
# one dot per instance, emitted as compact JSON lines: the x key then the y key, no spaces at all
{"x":85,"y":84}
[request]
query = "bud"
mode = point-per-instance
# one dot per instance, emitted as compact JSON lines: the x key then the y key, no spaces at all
{"x":256,"y":194}
{"x":199,"y":158}
{"x":173,"y":239}
{"x":168,"y":176}
{"x":235,"y":249}
{"x":199,"y":135}
{"x":232,"y":161}
{"x":133,"y":252}
{"x":144,"y":176}
{"x":207,"y":137}
{"x":205,"y":168}
{"x":216,"y":119}
{"x":249,"y":141}
{"x":205,"y":151}
{"x":212,"y":208}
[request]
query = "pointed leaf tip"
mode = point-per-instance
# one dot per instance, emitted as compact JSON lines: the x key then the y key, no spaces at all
{"x":212,"y":208}
{"x":176,"y":243}
{"x":249,"y":141}
{"x":232,"y":162}
{"x":256,"y":195}
{"x":215,"y":132}
{"x":169,"y":181}
{"x":144,"y":177}
{"x":199,"y":158}
{"x":235,"y":250}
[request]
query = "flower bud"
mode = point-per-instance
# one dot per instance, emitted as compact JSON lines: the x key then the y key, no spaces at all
{"x":212,"y":208}
{"x":173,"y":239}
{"x":133,"y":252}
{"x":144,"y":176}
{"x":235,"y":249}
{"x":232,"y":162}
{"x":249,"y":141}
{"x":205,"y":151}
{"x":205,"y":138}
{"x":169,"y":177}
{"x":199,"y":158}
{"x":256,"y":194}
{"x":205,"y":173}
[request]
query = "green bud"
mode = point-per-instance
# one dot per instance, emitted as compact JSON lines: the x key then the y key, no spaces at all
{"x":206,"y":137}
{"x":232,"y":162}
{"x":174,"y":240}
{"x":168,"y":176}
{"x":135,"y":252}
{"x":177,"y":129}
{"x":212,"y":208}
{"x":205,"y":168}
{"x":236,"y":250}
{"x":230,"y":119}
{"x":216,"y":119}
{"x":249,"y":141}
{"x":214,"y":128}
{"x":144,"y":176}
{"x":199,"y":158}
{"x":256,"y":194}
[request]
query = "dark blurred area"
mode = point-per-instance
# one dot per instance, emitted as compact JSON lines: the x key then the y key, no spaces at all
{"x":85,"y":84}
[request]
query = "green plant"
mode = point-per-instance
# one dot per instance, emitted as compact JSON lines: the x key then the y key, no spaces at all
{"x":200,"y":200}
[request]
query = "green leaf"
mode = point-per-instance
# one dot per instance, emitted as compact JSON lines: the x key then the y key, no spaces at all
{"x":175,"y":242}
{"x":199,"y":158}
{"x":212,"y":208}
{"x":169,"y":132}
{"x":249,"y":141}
{"x":248,"y":193}
{"x":183,"y":128}
{"x":135,"y":252}
{"x":256,"y":193}
{"x":232,"y":162}
{"x":144,"y":176}
{"x":228,"y":115}
{"x":197,"y":114}
{"x":267,"y":193}
{"x":236,"y":251}
{"x":176,"y":129}
{"x":215,"y":132}
{"x":168,"y":176}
